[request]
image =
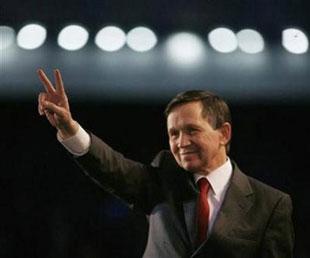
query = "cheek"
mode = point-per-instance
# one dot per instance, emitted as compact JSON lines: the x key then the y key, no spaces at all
{"x":173,"y":147}
{"x":175,"y":151}
{"x":209,"y":141}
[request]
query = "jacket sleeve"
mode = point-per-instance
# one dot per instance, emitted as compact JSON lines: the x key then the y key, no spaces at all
{"x":132,"y":181}
{"x":278,"y":240}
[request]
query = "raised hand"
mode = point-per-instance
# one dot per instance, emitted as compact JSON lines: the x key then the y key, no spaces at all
{"x":54,"y":104}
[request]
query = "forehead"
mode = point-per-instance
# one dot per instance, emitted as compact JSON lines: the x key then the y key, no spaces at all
{"x":193,"y":106}
{"x":190,"y":112}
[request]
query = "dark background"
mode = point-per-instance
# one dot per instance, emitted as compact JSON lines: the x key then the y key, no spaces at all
{"x":49,"y":208}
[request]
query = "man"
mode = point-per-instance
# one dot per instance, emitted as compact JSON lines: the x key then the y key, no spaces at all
{"x":198,"y":201}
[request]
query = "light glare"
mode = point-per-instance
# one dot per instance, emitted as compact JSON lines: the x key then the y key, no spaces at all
{"x":31,"y":36}
{"x":223,"y":40}
{"x":110,"y":38}
{"x":185,"y":48}
{"x":72,"y":37}
{"x":141,"y":39}
{"x":7,"y":37}
{"x":250,"y":41}
{"x":295,"y":41}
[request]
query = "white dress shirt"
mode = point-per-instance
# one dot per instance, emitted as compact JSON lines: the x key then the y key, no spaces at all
{"x":219,"y":182}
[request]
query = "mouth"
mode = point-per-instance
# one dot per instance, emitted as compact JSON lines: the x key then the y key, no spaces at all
{"x":186,"y":153}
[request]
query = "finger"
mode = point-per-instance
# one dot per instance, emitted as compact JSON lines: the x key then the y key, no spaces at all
{"x":40,"y":100}
{"x":42,"y":97}
{"x":53,"y":108}
{"x":50,"y":117}
{"x":46,"y":82}
{"x":59,"y":82}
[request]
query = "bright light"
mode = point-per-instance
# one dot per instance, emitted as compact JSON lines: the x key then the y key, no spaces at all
{"x":72,"y":37}
{"x":110,"y":38}
{"x":31,"y":36}
{"x":223,"y":40}
{"x":295,"y":41}
{"x":7,"y":37}
{"x":250,"y":41}
{"x":141,"y":39}
{"x":185,"y":48}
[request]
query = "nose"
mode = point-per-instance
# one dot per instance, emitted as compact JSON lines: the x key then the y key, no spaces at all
{"x":183,"y":140}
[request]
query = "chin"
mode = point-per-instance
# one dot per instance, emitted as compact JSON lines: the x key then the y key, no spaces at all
{"x":190,"y":167}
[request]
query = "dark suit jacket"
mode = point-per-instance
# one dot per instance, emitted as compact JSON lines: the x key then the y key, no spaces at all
{"x":253,"y":222}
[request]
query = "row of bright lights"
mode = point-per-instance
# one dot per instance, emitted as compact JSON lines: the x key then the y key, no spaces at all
{"x":141,"y":39}
{"x":75,"y":37}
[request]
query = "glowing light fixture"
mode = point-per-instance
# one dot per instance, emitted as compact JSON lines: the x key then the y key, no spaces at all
{"x":110,"y":38}
{"x":7,"y":37}
{"x":141,"y":39}
{"x":250,"y":41}
{"x":72,"y":37}
{"x":223,"y":40}
{"x":31,"y":36}
{"x":185,"y":48}
{"x":295,"y":41}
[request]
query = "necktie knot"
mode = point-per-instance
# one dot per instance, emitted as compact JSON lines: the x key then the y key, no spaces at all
{"x":203,"y":185}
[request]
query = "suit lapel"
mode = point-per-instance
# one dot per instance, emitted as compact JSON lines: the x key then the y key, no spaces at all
{"x":181,"y":191}
{"x":185,"y":201}
{"x":237,"y":202}
{"x":189,"y":210}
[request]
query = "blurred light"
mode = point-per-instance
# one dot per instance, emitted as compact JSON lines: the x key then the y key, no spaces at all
{"x":223,"y":40}
{"x":73,"y":37}
{"x":141,"y":39}
{"x":185,"y":48}
{"x":250,"y":41}
{"x":7,"y":37}
{"x":31,"y":36}
{"x":110,"y":38}
{"x":295,"y":41}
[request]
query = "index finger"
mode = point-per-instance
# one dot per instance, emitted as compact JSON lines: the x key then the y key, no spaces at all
{"x":46,"y":82}
{"x":59,"y":82}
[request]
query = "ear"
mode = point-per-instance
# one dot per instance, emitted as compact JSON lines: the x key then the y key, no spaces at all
{"x":225,"y":133}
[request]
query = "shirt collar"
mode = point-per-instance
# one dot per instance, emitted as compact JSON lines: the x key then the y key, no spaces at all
{"x":218,"y":178}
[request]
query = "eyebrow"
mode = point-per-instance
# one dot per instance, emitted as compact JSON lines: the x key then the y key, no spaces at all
{"x":193,"y":125}
{"x":186,"y":126}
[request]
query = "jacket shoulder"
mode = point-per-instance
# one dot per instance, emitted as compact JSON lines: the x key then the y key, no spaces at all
{"x":164,"y":159}
{"x":265,"y":189}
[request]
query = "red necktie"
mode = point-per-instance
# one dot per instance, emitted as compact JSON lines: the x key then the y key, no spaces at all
{"x":202,"y":210}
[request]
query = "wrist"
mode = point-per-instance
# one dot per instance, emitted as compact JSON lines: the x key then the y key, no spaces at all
{"x":69,"y":130}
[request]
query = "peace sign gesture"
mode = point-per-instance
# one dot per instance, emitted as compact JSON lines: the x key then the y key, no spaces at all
{"x":53,"y":103}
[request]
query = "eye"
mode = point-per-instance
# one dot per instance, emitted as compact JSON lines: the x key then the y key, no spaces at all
{"x":173,"y":134}
{"x":192,"y":131}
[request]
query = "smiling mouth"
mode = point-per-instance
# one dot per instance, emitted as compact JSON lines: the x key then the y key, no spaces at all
{"x":188,"y":153}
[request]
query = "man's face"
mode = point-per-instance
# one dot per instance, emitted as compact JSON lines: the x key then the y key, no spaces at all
{"x":195,"y":145}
